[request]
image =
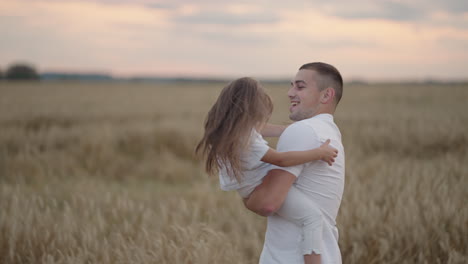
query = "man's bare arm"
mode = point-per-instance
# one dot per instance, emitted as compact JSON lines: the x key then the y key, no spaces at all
{"x":270,"y":130}
{"x":268,"y":197}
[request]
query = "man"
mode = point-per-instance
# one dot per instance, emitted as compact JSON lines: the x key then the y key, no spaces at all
{"x":314,"y":94}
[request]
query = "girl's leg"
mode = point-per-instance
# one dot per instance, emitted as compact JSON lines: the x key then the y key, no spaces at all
{"x":305,"y":213}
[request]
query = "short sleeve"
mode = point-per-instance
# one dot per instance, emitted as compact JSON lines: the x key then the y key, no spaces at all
{"x":258,"y":147}
{"x":297,"y":137}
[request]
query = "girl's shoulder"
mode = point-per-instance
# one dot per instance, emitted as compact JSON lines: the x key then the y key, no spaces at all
{"x":255,"y":135}
{"x":257,"y":138}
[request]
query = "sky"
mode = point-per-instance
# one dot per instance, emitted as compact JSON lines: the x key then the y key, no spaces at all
{"x":364,"y":39}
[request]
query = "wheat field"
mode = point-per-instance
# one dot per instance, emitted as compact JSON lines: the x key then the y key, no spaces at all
{"x":105,"y":173}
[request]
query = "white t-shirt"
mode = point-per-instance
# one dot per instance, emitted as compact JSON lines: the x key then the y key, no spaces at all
{"x":297,"y":208}
{"x":319,"y":182}
{"x":254,"y":168}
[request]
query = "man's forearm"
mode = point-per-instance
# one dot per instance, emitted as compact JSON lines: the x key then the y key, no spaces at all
{"x":270,"y":130}
{"x":268,"y":197}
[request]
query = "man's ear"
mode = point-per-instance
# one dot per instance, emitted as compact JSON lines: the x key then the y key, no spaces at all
{"x":328,"y":95}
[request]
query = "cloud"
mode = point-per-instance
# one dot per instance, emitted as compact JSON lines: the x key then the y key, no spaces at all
{"x":238,"y":38}
{"x":393,"y":10}
{"x":452,"y":6}
{"x":167,"y":6}
{"x":383,"y":10}
{"x":257,"y":38}
{"x":77,"y":34}
{"x":219,"y":17}
{"x":369,"y":9}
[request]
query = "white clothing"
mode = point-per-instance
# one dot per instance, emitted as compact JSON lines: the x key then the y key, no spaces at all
{"x":319,"y":182}
{"x":296,"y":207}
{"x":254,"y":168}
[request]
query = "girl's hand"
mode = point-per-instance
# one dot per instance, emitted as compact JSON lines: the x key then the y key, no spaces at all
{"x":328,"y":153}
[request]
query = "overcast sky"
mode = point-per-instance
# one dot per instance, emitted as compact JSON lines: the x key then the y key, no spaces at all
{"x":367,"y":39}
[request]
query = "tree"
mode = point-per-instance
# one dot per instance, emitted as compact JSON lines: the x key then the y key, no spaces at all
{"x":21,"y":72}
{"x":1,"y":74}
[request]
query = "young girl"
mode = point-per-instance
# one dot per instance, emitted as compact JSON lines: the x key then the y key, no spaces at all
{"x":233,"y":147}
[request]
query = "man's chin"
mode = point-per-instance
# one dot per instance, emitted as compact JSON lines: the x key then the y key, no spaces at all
{"x":295,"y":116}
{"x":298,"y":116}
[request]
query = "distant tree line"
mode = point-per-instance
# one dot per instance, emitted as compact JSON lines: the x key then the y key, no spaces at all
{"x":26,"y":71}
{"x":20,"y":71}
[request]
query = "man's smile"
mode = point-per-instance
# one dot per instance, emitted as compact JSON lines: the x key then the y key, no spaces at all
{"x":293,"y":105}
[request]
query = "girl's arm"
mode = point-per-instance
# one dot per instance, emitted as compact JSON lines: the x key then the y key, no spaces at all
{"x":291,"y":158}
{"x":270,"y":130}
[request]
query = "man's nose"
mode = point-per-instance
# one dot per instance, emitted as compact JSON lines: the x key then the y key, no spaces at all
{"x":291,"y":92}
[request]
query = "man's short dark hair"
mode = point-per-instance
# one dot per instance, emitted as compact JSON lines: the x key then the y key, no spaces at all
{"x":329,"y":77}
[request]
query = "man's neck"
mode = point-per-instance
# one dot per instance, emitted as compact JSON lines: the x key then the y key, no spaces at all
{"x":325,"y":111}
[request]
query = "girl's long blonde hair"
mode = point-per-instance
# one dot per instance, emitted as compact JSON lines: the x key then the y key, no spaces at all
{"x":242,"y":106}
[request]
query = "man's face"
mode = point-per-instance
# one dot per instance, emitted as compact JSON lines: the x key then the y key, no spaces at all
{"x":304,"y":95}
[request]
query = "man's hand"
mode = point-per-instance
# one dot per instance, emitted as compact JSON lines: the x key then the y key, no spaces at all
{"x":268,"y":197}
